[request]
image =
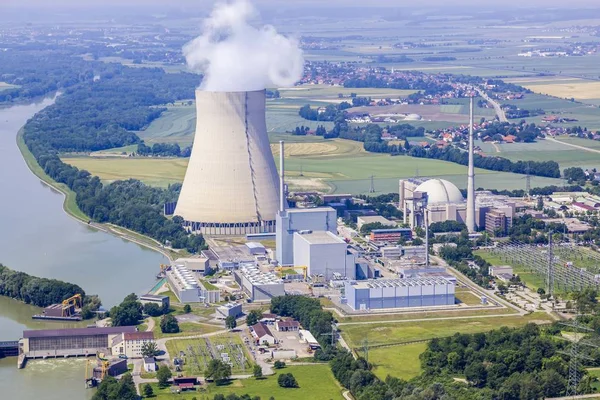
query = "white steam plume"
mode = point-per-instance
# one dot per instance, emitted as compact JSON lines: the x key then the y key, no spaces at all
{"x":236,"y":56}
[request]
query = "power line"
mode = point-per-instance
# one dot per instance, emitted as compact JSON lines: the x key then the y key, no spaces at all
{"x":372,"y":187}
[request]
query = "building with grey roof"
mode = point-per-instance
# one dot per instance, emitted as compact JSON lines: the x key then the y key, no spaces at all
{"x":399,"y":293}
{"x":258,"y":285}
{"x":324,"y":254}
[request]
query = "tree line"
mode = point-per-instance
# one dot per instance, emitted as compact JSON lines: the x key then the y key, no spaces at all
{"x":549,"y":169}
{"x":97,"y":116}
{"x":163,"y":150}
{"x":33,"y":290}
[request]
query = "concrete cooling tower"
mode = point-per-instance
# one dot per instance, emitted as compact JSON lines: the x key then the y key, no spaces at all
{"x":231,"y":183}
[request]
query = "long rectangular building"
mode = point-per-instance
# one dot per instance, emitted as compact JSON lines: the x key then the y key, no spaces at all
{"x":398,"y":293}
{"x":69,"y":342}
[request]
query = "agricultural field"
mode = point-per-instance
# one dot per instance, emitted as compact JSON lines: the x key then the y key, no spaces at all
{"x":152,"y":171}
{"x":199,"y":352}
{"x":407,"y":331}
{"x":548,"y":150}
{"x":398,"y":361}
{"x":565,"y":88}
{"x":309,"y":377}
{"x":586,"y":115}
{"x":333,"y":165}
{"x":176,"y":125}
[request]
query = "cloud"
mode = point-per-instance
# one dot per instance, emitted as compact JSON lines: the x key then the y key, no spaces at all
{"x":234,"y":55}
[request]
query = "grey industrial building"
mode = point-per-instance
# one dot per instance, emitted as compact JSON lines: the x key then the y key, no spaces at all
{"x":258,"y":285}
{"x":324,"y":254}
{"x":294,"y":220}
{"x":69,"y":342}
{"x":398,"y":293}
{"x":229,"y":310}
{"x":188,"y":288}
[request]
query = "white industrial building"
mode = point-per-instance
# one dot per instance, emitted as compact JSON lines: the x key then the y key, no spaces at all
{"x":188,"y":288}
{"x":294,"y":220}
{"x":258,"y":285}
{"x":324,"y":254}
{"x":398,"y":293}
{"x":230,"y":185}
{"x":442,"y":199}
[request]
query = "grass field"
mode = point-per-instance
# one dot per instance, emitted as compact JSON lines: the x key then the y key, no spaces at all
{"x":399,"y":332}
{"x":398,"y":361}
{"x":197,"y":354}
{"x":532,"y":281}
{"x":547,"y":150}
{"x":310,"y":379}
{"x":185,"y":329}
{"x":581,"y":257}
{"x":335,"y":165}
{"x":465,"y":296}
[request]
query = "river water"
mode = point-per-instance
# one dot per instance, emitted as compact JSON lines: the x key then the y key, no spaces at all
{"x":38,"y":237}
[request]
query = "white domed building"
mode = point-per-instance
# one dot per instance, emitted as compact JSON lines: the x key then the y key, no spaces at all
{"x":442,"y":199}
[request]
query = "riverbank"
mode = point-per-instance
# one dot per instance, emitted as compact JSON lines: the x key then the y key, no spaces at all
{"x":71,"y":209}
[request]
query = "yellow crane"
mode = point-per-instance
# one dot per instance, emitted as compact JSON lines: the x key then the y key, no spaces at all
{"x":74,"y":301}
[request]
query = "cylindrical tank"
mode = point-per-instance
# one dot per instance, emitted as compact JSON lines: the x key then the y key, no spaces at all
{"x":231,"y":184}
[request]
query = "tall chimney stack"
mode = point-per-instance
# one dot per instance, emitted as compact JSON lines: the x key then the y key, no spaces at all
{"x":471,"y":176}
{"x":282,"y":198}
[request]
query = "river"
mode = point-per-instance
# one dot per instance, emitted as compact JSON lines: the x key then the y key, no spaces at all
{"x":38,"y":237}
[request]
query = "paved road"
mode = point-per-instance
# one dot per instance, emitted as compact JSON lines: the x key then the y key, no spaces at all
{"x":501,"y":115}
{"x":151,"y":323}
{"x":573,"y":145}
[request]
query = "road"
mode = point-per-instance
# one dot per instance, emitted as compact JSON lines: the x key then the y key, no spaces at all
{"x":501,"y":115}
{"x":574,"y":145}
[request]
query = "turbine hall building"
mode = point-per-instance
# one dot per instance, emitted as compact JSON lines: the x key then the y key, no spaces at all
{"x":397,"y":293}
{"x":231,"y":185}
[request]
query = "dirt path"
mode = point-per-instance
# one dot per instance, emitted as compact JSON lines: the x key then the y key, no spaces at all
{"x":496,"y":148}
{"x":574,"y":145}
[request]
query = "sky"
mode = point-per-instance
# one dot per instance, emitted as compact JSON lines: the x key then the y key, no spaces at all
{"x":311,"y":3}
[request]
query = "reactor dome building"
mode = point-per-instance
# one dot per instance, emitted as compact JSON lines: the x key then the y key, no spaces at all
{"x":231,"y":185}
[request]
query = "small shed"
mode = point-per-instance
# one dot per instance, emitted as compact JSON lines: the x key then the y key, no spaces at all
{"x":149,"y":364}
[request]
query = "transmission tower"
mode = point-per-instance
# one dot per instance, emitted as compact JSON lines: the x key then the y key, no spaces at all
{"x":333,"y":334}
{"x":372,"y":187}
{"x":575,"y":355}
{"x":366,"y":348}
{"x":528,"y":182}
{"x":550,"y":278}
{"x":301,"y":174}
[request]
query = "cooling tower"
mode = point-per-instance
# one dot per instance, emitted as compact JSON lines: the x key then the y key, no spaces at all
{"x":231,"y":183}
